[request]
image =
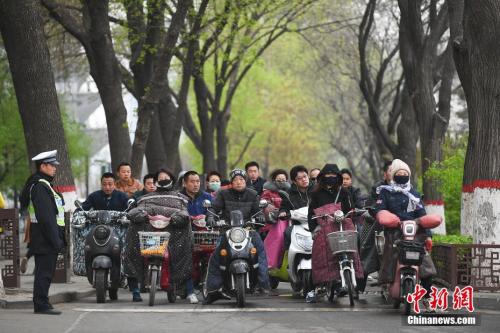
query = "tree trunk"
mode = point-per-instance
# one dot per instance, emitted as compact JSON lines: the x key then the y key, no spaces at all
{"x":156,"y":156}
{"x":475,"y":28}
{"x":207,"y":128}
{"x":150,"y":101}
{"x":408,"y":134}
{"x":22,"y":31}
{"x":418,"y":51}
{"x":222,"y":145}
{"x":171,"y":132}
{"x":94,"y":34}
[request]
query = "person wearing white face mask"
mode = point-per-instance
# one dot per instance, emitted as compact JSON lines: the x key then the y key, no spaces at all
{"x":213,"y":182}
{"x":402,"y":200}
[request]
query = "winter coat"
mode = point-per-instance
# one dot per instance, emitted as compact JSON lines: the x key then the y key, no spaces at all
{"x":397,"y":203}
{"x":271,"y":194}
{"x":323,"y":197}
{"x":228,"y":200}
{"x":355,"y":196}
{"x":166,"y":203}
{"x":195,"y":206}
{"x":296,"y":199}
{"x":98,"y":200}
{"x":373,"y":193}
{"x":257,"y":186}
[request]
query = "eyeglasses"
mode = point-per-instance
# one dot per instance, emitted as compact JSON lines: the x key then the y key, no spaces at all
{"x":301,"y":178}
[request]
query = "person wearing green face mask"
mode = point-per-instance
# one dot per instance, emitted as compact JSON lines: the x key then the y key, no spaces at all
{"x":213,"y":182}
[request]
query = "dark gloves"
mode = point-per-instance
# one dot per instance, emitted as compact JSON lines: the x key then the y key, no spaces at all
{"x":177,"y":219}
{"x":284,"y":215}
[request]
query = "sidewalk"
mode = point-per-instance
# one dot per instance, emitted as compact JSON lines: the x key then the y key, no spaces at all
{"x":79,"y":287}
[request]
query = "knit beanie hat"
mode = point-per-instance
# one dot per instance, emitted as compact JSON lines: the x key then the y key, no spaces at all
{"x":398,"y":165}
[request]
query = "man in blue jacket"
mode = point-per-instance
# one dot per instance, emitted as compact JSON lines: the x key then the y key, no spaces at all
{"x":191,"y":188}
{"x":107,"y":198}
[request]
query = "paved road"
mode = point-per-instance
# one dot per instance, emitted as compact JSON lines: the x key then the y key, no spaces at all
{"x":283,"y":313}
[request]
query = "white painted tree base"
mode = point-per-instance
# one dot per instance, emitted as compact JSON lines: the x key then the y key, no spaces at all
{"x":69,"y":201}
{"x":437,"y":210}
{"x":467,"y":212}
{"x":69,"y":206}
{"x":486,"y":218}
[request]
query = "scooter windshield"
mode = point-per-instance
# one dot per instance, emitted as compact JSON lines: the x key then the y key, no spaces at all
{"x":237,"y":218}
{"x":103,"y":216}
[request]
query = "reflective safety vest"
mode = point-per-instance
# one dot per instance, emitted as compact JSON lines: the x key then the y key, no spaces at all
{"x":59,"y":204}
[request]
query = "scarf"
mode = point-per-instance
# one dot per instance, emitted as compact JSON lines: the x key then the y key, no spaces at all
{"x":413,"y":202}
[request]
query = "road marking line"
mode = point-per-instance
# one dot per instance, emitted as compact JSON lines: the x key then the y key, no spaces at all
{"x":227,"y":310}
{"x":77,"y":321}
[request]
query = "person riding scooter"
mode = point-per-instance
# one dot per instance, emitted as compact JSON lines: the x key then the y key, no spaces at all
{"x":169,"y":203}
{"x":299,"y":196}
{"x":328,"y":195}
{"x":401,"y":199}
{"x":246,"y":200}
{"x":279,"y":182}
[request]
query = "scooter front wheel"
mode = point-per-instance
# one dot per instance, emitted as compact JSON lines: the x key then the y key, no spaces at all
{"x":307,"y":282}
{"x":408,"y":288}
{"x":153,"y":280}
{"x":239,"y":283}
{"x":350,"y":287}
{"x":101,"y":279}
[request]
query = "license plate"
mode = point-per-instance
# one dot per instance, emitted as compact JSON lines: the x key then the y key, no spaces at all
{"x":411,"y":255}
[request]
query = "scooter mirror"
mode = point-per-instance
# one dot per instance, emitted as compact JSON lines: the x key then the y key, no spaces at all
{"x":78,"y":204}
{"x":130,"y":202}
{"x":207,"y":203}
{"x":263,"y":203}
{"x":339,"y":214}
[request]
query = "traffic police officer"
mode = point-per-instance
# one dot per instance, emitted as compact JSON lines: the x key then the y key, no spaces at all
{"x":46,"y":209}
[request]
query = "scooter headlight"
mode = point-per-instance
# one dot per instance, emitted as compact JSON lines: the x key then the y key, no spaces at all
{"x":101,"y":233}
{"x":238,"y":235}
{"x":304,"y":242}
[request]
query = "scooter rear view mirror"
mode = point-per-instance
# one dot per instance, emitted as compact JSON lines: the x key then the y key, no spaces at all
{"x":78,"y":204}
{"x":207,"y":203}
{"x":263,"y":203}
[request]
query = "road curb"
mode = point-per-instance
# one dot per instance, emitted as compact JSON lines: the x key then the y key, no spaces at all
{"x":63,"y":297}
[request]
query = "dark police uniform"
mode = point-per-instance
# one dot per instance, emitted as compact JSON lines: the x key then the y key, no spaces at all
{"x":46,"y":232}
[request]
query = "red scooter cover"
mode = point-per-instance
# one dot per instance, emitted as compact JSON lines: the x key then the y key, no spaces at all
{"x":325,"y":264}
{"x":275,"y":243}
{"x":388,"y":219}
{"x":430,"y":221}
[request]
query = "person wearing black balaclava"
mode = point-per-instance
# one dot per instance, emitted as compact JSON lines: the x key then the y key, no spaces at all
{"x":327,"y":191}
{"x":170,"y":203}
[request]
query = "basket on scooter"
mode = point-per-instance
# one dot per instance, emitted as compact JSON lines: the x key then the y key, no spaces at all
{"x":410,"y":252}
{"x":205,"y":240}
{"x":343,"y":241}
{"x":153,"y":243}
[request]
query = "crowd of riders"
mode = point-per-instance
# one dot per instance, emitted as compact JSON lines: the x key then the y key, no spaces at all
{"x":183,"y":198}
